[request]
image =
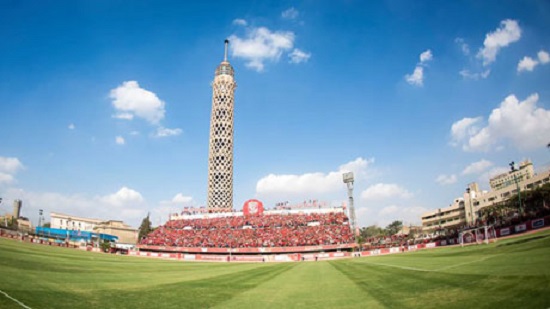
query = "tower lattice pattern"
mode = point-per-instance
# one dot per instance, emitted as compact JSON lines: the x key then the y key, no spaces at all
{"x":220,"y":156}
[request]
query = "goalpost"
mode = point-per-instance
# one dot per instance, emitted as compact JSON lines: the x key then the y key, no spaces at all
{"x":481,"y":234}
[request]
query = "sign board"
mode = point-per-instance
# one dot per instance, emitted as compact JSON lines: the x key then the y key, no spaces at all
{"x":520,"y":227}
{"x":505,"y":231}
{"x":537,"y":224}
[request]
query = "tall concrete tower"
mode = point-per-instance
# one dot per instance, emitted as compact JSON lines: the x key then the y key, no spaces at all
{"x":220,"y":155}
{"x":17,"y":204}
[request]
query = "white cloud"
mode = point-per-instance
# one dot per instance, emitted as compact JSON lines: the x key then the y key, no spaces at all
{"x":446,"y":179}
{"x":409,"y":215}
{"x":298,"y":56}
{"x":130,"y":100}
{"x":523,"y":124}
{"x":477,"y":167}
{"x":527,"y":64}
{"x":426,"y":56}
{"x":125,"y":116}
{"x":182,"y":199}
{"x":381,"y":191}
{"x":165,"y":132}
{"x":308,"y":184}
{"x":466,"y":74}
{"x":240,"y":22}
{"x":6,"y":178}
{"x":388,"y":210}
{"x":463,"y":46}
{"x":544,"y":57}
{"x":508,"y":32}
{"x":417,"y":77}
{"x":71,"y":126}
{"x":10,"y":165}
{"x":358,"y":167}
{"x":260,"y":45}
{"x":291,"y":13}
{"x":174,"y":205}
{"x":123,"y":197}
{"x":464,"y":128}
{"x":119,"y":140}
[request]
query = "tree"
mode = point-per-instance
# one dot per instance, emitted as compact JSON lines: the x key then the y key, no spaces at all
{"x":47,"y":224}
{"x":371,"y":231}
{"x":394,"y":227}
{"x":105,"y":246}
{"x":145,"y":227}
{"x":360,"y":241}
{"x":12,"y":223}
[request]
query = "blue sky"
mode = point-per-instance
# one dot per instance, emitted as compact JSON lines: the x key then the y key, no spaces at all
{"x":105,"y":105}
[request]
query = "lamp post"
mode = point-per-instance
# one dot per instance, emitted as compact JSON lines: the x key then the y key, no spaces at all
{"x":513,"y":171}
{"x":468,"y":190}
{"x":348,"y":180}
{"x":40,"y":212}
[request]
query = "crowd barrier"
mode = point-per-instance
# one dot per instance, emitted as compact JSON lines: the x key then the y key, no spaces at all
{"x":257,"y":250}
{"x":294,"y":257}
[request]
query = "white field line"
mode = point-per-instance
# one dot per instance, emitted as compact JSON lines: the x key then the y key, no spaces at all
{"x":15,"y":300}
{"x":437,"y":269}
{"x":466,"y":263}
{"x":400,"y":267}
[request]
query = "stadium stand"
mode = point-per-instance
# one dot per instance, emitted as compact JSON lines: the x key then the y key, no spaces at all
{"x":265,"y":230}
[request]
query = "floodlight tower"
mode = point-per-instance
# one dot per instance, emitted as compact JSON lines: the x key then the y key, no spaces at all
{"x":348,"y":180}
{"x":513,"y":172}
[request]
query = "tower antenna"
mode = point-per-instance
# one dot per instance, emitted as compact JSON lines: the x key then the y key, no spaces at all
{"x":225,"y":52}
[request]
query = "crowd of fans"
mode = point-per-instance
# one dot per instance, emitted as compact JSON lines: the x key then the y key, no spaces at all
{"x":267,"y":230}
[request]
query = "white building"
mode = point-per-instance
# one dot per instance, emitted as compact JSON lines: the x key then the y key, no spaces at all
{"x":466,"y":209}
{"x":125,"y":233}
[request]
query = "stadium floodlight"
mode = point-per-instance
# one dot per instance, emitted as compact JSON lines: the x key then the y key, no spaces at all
{"x":348,"y":180}
{"x":513,"y":172}
{"x":348,"y":177}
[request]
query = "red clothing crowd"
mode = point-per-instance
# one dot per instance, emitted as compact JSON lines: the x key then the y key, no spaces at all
{"x":285,"y":230}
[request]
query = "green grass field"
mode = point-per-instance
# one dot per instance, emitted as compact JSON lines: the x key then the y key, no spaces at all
{"x":512,"y":273}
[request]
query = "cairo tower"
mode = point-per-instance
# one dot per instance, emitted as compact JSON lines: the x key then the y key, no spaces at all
{"x":220,"y":155}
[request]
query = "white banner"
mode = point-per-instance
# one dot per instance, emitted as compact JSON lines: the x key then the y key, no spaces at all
{"x":521,"y":227}
{"x":505,"y":231}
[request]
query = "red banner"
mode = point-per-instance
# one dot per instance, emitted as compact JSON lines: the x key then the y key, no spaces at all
{"x":253,"y":208}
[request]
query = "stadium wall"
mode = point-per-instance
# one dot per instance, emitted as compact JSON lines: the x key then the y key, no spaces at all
{"x":258,"y":250}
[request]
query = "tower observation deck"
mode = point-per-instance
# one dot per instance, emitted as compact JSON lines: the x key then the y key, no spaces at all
{"x":220,"y":154}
